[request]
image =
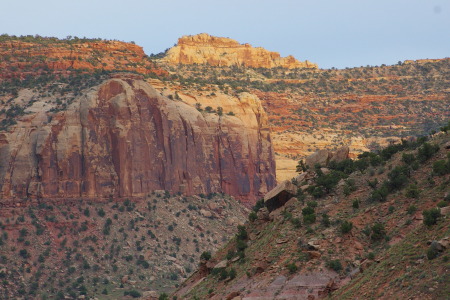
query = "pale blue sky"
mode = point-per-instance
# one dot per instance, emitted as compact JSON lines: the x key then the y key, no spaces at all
{"x":338,"y":33}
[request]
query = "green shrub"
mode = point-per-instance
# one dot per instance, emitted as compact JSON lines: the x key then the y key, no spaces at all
{"x":326,"y":220}
{"x":432,"y":251}
{"x":258,"y":205}
{"x":242,"y":233}
{"x":296,"y":222}
{"x":163,"y":296}
{"x":373,"y":184}
{"x":206,"y":255}
{"x":355,"y":204}
{"x":132,"y":293}
{"x":346,"y":227}
{"x":101,"y":212}
{"x":408,"y":158}
{"x":380,"y":194}
{"x":441,"y":167}
{"x":431,"y":216}
{"x":292,"y":267}
{"x":426,"y":151}
{"x":334,"y":265}
{"x":252,"y":216}
{"x":412,"y":209}
{"x":232,"y":274}
{"x":312,"y":204}
{"x":307,"y":211}
{"x":223,"y":274}
{"x":309,"y":219}
{"x":241,"y":245}
{"x":412,"y":191}
{"x":398,"y":177}
{"x":442,"y":204}
{"x":378,"y":232}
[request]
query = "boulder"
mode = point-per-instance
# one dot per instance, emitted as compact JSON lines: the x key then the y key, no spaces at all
{"x":281,"y":194}
{"x":205,"y":213}
{"x":300,"y":177}
{"x":124,"y":279}
{"x":222,"y":264}
{"x":321,"y":157}
{"x":341,"y":154}
{"x":263,"y":214}
{"x":445,"y":210}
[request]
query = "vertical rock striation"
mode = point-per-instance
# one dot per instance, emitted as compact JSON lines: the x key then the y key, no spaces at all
{"x":123,"y":139}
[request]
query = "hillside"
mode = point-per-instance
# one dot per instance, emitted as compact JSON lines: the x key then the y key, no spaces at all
{"x":79,"y":248}
{"x":368,"y":228}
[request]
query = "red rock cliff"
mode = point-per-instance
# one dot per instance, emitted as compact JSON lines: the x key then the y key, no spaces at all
{"x":123,"y":139}
{"x":218,"y":51}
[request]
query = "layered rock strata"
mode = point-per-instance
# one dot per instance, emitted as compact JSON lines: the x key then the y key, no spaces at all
{"x":218,"y":51}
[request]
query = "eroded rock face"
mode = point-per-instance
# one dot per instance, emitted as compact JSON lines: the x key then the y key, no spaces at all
{"x":26,"y":57}
{"x":218,"y":51}
{"x":123,"y":139}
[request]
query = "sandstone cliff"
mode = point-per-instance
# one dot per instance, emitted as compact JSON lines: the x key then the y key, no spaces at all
{"x":218,"y":51}
{"x":123,"y":139}
{"x":22,"y":58}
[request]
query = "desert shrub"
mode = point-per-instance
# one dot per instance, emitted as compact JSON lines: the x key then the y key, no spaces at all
{"x":408,"y":158}
{"x":432,"y":251}
{"x":309,"y":219}
{"x":426,"y":151}
{"x":296,"y":222}
{"x":398,"y":177}
{"x":378,"y":232}
{"x":223,"y":274}
{"x":329,"y":181}
{"x":334,"y":265}
{"x":242,"y":233}
{"x":292,"y":267}
{"x":441,"y":167}
{"x":101,"y":212}
{"x":258,"y":205}
{"x":411,"y":209}
{"x":325,"y":220}
{"x":373,"y":183}
{"x":206,"y":255}
{"x":252,"y":216}
{"x":355,"y":204}
{"x":442,"y":204}
{"x":307,"y":210}
{"x":412,"y":191}
{"x":230,"y":254}
{"x":431,"y":216}
{"x":346,"y":227}
{"x":132,"y":293}
{"x":232,"y":273}
{"x":380,"y":194}
{"x":241,"y":245}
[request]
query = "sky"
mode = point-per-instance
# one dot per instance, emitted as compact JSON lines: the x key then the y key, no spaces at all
{"x":331,"y":33}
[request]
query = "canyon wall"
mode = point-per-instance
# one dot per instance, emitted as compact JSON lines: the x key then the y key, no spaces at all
{"x":218,"y":51}
{"x":123,"y":139}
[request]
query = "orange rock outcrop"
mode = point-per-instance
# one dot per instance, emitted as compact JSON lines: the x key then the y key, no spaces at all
{"x":218,"y":51}
{"x":21,"y":58}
